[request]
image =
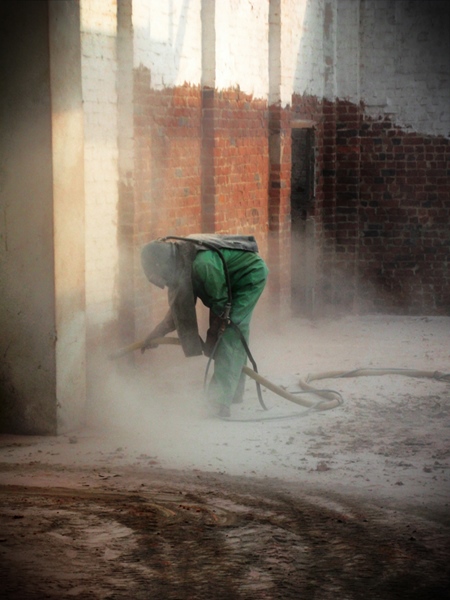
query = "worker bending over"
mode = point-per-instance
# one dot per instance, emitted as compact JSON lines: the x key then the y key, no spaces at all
{"x":194,"y":268}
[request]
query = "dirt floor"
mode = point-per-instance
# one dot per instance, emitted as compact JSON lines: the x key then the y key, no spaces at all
{"x":155,"y":499}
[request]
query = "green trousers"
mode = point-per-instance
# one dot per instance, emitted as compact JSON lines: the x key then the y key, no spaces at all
{"x":228,"y":382}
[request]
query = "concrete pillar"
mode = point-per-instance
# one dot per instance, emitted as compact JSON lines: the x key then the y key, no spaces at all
{"x":42,"y":374}
{"x":279,"y":170}
{"x":208,"y":15}
{"x":129,"y":258}
{"x":68,"y":211}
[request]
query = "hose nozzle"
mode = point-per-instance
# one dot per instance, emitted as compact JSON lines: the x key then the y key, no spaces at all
{"x":226,"y":312}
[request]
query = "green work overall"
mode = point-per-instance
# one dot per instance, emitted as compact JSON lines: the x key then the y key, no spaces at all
{"x":248,"y":274}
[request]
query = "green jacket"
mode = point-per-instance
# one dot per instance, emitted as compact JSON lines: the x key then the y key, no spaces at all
{"x":200,"y":274}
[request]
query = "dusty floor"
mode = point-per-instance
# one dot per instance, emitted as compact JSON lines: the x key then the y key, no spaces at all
{"x":154,"y":499}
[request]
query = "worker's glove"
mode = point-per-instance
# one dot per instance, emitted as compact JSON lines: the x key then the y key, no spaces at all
{"x":217,"y":326}
{"x":148,"y":343}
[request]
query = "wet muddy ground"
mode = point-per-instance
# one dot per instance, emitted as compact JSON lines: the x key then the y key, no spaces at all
{"x":172,"y":536}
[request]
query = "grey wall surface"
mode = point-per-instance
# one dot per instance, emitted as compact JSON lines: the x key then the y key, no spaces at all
{"x":27,"y":322}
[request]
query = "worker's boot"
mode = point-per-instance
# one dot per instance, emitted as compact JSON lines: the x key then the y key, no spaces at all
{"x":222,"y":411}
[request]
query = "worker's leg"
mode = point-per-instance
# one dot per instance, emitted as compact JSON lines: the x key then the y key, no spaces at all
{"x":228,"y":362}
{"x":231,"y":356}
{"x":240,"y":390}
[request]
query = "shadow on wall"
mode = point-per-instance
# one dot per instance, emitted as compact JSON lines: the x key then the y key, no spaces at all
{"x":27,"y":308}
{"x":382,"y":152}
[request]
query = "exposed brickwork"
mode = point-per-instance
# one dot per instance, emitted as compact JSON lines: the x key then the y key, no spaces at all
{"x":208,"y":161}
{"x":168,"y":169}
{"x":234,"y":164}
{"x":346,"y":212}
{"x":219,"y":161}
{"x":240,"y":164}
{"x":175,"y":130}
{"x":201,"y":165}
{"x":404,"y":214}
{"x":382,"y":211}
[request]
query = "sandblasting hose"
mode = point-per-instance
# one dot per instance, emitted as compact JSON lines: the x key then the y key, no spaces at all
{"x":330,"y":398}
{"x":437,"y":375}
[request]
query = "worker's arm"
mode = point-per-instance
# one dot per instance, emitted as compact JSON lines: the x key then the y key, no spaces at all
{"x":163,"y":328}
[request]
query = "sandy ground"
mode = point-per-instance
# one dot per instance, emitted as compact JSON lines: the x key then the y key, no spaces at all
{"x":389,"y":440}
{"x":387,"y":446}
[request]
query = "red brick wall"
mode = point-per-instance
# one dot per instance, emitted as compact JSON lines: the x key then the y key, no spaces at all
{"x":235,"y":164}
{"x":169,"y":134}
{"x":220,"y":161}
{"x":347,"y":190}
{"x":404,"y":219}
{"x":201,"y":165}
{"x":167,"y":126}
{"x":382,"y":212}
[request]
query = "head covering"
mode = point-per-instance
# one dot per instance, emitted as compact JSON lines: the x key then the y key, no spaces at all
{"x":159,"y":261}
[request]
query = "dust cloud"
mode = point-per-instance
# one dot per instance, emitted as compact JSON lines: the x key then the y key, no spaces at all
{"x":388,"y":439}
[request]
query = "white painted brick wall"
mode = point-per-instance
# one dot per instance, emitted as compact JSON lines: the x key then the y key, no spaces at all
{"x":391,"y":55}
{"x":347,"y":52}
{"x":168,"y":40}
{"x":403,"y":52}
{"x":405,"y":56}
{"x":99,"y":66}
{"x":242,"y":46}
{"x":298,"y":21}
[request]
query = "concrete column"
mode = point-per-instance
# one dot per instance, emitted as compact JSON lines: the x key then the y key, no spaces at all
{"x":279,"y":170}
{"x":208,"y":15}
{"x":68,"y":212}
{"x":129,"y":258}
{"x":42,"y":372}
